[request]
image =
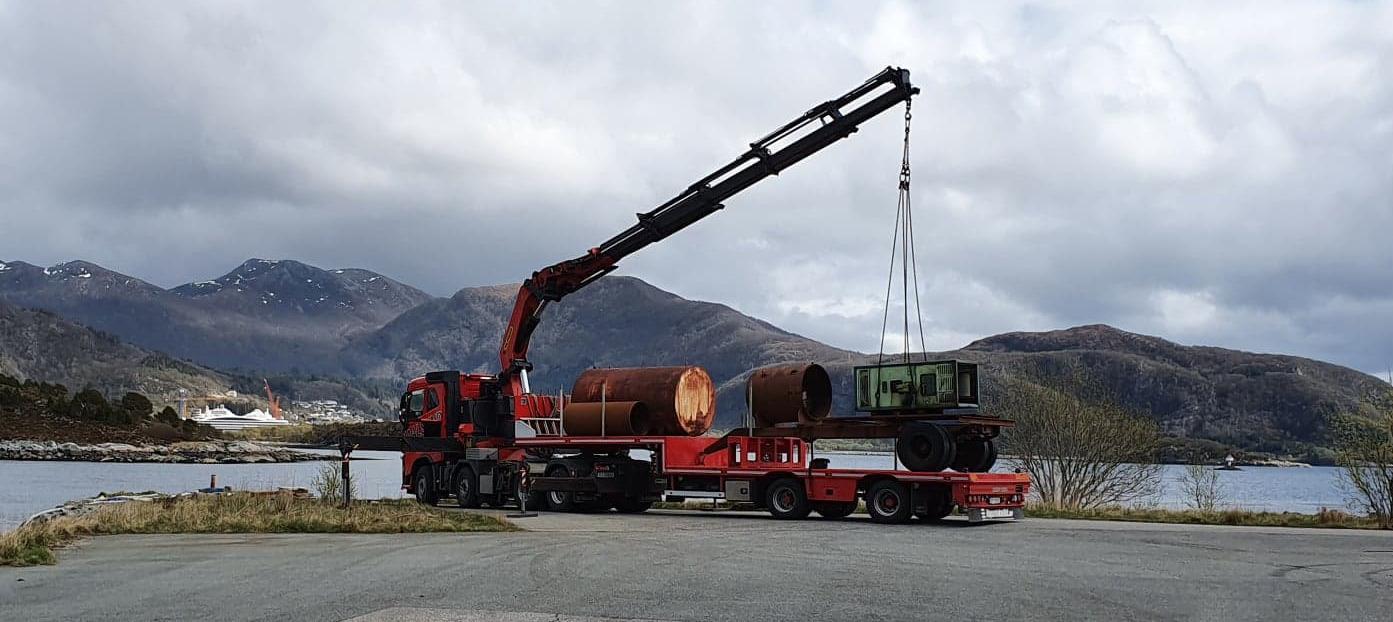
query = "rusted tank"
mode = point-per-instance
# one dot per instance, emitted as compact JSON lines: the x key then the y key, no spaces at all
{"x":619,"y":418}
{"x":680,"y":400}
{"x":789,"y":393}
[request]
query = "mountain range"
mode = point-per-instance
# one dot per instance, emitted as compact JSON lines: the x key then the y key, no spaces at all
{"x":263,"y":316}
{"x":295,"y":320}
{"x":39,"y":345}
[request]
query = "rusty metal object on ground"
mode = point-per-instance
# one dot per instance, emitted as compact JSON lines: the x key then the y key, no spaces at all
{"x":789,"y":393}
{"x":680,"y":400}
{"x":619,"y":419}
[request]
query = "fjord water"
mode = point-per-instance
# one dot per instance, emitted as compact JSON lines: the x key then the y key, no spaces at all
{"x":30,"y":487}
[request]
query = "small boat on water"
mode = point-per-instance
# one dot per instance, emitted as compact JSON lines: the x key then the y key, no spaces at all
{"x":223,"y":419}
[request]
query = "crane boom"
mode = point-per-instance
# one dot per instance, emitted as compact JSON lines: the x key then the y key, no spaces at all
{"x":817,"y":128}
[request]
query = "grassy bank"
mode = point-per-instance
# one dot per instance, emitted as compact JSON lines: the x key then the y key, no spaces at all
{"x":1326,"y":518}
{"x":236,"y":513}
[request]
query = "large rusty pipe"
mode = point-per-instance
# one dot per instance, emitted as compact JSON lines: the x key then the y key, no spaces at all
{"x":789,"y":393}
{"x":680,"y":400}
{"x":619,"y":418}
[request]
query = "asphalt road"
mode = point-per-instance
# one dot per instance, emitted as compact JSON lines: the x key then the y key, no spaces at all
{"x":698,"y":566}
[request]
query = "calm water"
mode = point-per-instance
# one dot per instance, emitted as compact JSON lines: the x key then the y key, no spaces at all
{"x":1275,"y":489}
{"x":30,"y":487}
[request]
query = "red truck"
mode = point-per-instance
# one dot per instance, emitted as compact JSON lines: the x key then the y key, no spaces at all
{"x":484,"y":439}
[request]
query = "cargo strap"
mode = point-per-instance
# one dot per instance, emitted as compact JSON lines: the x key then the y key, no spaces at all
{"x":903,"y":242}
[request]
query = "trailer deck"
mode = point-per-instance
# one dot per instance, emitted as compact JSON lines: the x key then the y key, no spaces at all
{"x":742,"y":468}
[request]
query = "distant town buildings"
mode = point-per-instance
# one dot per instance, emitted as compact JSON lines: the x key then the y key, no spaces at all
{"x":317,"y":412}
{"x":314,"y":412}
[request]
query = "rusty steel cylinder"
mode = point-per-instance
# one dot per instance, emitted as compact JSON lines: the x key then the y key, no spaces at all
{"x":605,"y":419}
{"x":680,"y":400}
{"x":789,"y":393}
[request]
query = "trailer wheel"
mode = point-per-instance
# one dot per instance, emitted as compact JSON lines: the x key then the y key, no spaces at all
{"x":925,"y":446}
{"x":939,"y":504}
{"x":561,"y":501}
{"x":630,"y":505}
{"x":834,"y":509}
{"x":975,"y":456}
{"x":467,"y":488}
{"x":785,"y":498}
{"x":887,"y":501}
{"x":425,"y":486}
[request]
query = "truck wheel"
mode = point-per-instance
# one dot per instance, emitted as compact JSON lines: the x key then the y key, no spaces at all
{"x":629,"y":505}
{"x":425,"y":486}
{"x":786,"y":499}
{"x":561,"y":501}
{"x":975,"y":456}
{"x":467,"y":488}
{"x":924,"y":446}
{"x":939,"y":504}
{"x":834,"y":509}
{"x":887,"y":501}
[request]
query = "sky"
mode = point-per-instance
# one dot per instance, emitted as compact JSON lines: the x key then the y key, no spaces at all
{"x":1212,"y":173}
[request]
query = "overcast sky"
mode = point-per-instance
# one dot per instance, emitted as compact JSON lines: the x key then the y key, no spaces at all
{"x":1213,"y":173}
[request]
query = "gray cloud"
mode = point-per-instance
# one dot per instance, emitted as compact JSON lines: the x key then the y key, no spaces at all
{"x":1212,"y":174}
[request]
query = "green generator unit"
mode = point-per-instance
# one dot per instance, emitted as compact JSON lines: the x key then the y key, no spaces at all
{"x":933,"y":386}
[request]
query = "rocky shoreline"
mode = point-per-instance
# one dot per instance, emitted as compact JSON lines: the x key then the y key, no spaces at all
{"x":202,"y":452}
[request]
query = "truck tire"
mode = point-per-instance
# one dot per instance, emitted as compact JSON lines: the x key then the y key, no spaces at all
{"x":887,"y":501}
{"x":925,"y":446}
{"x":561,"y":501}
{"x":785,"y":498}
{"x":424,"y":483}
{"x":629,"y":505}
{"x":975,"y":456}
{"x":467,"y":488}
{"x":834,"y":509}
{"x":939,"y":504}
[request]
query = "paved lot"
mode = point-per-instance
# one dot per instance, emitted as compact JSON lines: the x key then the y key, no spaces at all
{"x":697,"y":566}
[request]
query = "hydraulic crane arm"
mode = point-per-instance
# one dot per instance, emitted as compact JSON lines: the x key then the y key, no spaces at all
{"x":819,"y":127}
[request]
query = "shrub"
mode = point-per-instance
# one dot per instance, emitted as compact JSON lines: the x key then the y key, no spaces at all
{"x":328,"y":483}
{"x":1201,"y":486}
{"x":1364,"y":446}
{"x":1081,"y":454}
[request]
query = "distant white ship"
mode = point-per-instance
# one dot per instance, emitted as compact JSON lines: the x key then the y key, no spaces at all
{"x":223,"y":419}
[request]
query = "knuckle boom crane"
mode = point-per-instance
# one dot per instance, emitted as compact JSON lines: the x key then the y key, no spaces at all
{"x":475,"y":437}
{"x":810,"y":133}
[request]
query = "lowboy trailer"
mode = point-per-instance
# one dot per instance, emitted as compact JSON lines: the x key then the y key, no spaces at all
{"x":778,"y":474}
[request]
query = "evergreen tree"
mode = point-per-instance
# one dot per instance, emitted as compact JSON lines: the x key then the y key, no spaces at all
{"x":137,"y":407}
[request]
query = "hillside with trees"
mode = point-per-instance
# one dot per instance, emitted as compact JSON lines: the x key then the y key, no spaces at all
{"x":377,"y":334}
{"x":32,"y":410}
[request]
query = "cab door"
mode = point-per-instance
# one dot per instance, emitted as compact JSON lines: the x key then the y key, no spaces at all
{"x":433,"y":409}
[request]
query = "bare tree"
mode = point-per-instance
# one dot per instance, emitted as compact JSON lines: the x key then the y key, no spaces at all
{"x":1364,"y":449}
{"x":1201,"y":486}
{"x":1080,"y":454}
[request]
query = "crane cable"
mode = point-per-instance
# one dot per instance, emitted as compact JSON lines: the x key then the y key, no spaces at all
{"x":903,"y":241}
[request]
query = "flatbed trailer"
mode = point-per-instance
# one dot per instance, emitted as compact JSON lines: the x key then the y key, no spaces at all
{"x":778,"y":474}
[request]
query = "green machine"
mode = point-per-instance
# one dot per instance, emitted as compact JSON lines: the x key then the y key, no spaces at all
{"x":932,"y":386}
